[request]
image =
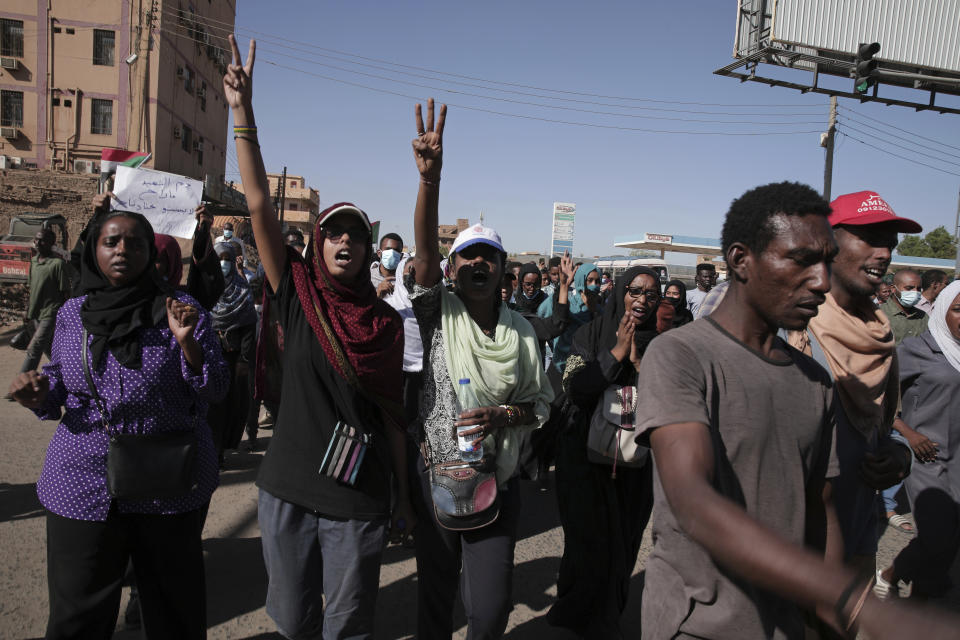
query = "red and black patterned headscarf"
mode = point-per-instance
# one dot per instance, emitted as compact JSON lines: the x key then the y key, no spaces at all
{"x":361,"y":335}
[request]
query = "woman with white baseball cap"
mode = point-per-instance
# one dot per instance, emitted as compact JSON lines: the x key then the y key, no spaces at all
{"x":470,"y":338}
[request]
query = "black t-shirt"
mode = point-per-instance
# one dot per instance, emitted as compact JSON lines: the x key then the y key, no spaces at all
{"x":314,"y":397}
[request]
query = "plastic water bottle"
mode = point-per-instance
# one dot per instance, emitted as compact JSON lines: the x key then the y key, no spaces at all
{"x":468,"y":400}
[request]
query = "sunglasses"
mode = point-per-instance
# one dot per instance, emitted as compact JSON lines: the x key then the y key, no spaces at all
{"x":335,"y":232}
{"x":651,"y":295}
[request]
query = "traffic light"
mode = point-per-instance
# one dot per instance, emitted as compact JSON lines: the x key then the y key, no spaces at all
{"x":865,"y":74}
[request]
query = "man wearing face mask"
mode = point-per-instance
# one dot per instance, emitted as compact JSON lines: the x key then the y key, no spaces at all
{"x":905,"y":318}
{"x":383,"y":271}
{"x":229,"y":236}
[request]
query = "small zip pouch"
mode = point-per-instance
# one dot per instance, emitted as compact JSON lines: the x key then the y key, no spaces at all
{"x":345,"y":454}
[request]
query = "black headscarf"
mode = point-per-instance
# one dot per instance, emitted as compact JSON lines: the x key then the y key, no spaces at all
{"x":682,"y":288}
{"x":114,"y":315}
{"x":524,"y":304}
{"x":605,"y":327}
{"x":682,"y":314}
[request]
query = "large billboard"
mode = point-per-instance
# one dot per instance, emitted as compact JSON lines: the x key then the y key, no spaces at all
{"x":561,"y":237}
{"x":918,"y":33}
{"x":919,"y":48}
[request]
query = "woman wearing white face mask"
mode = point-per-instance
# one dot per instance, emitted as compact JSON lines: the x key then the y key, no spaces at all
{"x":383,"y":272}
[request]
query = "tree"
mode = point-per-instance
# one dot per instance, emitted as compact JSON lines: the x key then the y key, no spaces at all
{"x":936,"y":244}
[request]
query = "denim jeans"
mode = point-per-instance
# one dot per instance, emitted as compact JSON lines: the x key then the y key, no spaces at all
{"x":40,"y":344}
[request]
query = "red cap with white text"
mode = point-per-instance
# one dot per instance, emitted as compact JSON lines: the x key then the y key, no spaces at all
{"x":867,"y":207}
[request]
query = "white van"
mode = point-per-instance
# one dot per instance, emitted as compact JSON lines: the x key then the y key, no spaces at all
{"x":618,"y":264}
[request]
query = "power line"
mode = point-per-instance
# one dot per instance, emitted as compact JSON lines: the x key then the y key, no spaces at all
{"x":890,"y":153}
{"x":270,"y":42}
{"x":236,"y":28}
{"x":916,"y":135}
{"x":527,"y":117}
{"x":525,"y":102}
{"x":893,"y":135}
{"x":900,"y":146}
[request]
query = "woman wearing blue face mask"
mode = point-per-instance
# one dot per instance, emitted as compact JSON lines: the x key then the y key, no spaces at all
{"x":235,"y":321}
{"x":584,"y":307}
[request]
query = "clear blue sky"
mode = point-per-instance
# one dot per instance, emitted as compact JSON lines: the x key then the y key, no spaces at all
{"x":353,"y":144}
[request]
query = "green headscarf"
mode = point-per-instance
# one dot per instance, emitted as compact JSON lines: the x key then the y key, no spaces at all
{"x":577,"y":305}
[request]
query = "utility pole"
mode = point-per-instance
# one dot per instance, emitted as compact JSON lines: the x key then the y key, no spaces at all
{"x":827,"y":141}
{"x":283,"y":194}
{"x":276,"y":199}
{"x":956,"y":238}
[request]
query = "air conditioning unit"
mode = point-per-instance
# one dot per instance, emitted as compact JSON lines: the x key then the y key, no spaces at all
{"x":9,"y":63}
{"x":4,"y":163}
{"x":179,"y":72}
{"x":176,"y":132}
{"x":15,"y":162}
{"x":84,"y":166}
{"x":10,"y":133}
{"x":197,"y":145}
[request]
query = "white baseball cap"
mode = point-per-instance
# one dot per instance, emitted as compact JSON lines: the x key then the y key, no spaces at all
{"x":347,"y":208}
{"x":477,"y":234}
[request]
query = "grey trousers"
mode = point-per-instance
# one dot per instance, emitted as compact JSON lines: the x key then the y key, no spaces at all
{"x":310,"y":556}
{"x":40,"y":343}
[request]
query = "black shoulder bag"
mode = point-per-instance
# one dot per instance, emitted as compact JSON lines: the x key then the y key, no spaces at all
{"x":146,"y":466}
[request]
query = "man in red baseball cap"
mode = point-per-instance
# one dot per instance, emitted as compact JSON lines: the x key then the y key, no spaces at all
{"x":852,"y":339}
{"x":868,"y":208}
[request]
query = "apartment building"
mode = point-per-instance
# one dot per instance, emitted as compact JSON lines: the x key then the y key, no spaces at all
{"x":302,"y":203}
{"x":80,"y":75}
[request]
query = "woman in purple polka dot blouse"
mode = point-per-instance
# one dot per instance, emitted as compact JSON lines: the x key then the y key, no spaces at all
{"x":156,"y":364}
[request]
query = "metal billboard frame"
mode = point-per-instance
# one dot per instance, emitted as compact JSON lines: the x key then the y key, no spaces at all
{"x":754,"y":45}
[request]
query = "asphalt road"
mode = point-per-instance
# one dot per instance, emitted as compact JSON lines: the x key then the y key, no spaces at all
{"x":236,"y":579}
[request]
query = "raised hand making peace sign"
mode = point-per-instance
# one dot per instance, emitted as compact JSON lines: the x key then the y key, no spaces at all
{"x":238,"y":81}
{"x":428,"y":145}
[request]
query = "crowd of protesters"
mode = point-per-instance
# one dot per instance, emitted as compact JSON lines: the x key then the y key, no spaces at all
{"x":755,"y":421}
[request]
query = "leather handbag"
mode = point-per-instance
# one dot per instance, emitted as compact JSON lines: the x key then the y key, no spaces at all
{"x":465,"y":495}
{"x":146,"y":466}
{"x":611,"y":437}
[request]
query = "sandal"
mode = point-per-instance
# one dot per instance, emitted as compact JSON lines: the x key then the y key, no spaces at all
{"x":881,"y":588}
{"x":901,"y":523}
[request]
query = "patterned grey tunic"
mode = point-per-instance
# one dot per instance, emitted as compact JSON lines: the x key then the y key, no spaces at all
{"x":438,"y":400}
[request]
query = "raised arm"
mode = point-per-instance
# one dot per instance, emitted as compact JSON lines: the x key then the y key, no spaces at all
{"x":428,"y":151}
{"x":238,"y":89}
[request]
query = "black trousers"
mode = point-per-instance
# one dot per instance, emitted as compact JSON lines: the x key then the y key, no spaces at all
{"x":481,"y":560}
{"x":86,"y":562}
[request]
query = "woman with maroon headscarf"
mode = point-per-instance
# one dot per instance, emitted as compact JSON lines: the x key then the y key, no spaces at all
{"x":325,"y":483}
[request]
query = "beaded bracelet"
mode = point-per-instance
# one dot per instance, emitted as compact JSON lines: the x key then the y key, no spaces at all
{"x":513,"y":413}
{"x":248,"y":139}
{"x":430,"y":182}
{"x":245,"y":130}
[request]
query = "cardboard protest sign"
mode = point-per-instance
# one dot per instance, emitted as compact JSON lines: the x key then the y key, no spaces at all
{"x":167,"y":200}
